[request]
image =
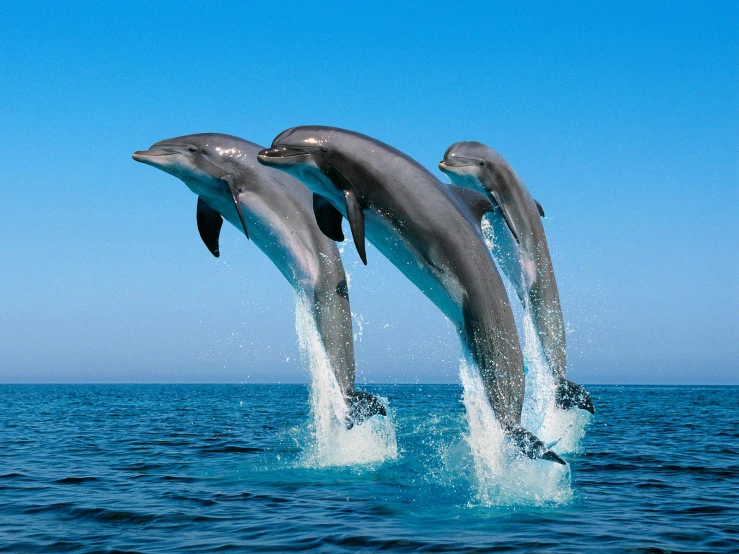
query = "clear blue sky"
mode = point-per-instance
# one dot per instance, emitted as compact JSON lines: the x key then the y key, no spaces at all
{"x":622,"y":120}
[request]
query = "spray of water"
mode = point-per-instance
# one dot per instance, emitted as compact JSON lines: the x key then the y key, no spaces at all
{"x":562,"y":430}
{"x":503,"y":477}
{"x":330,"y":443}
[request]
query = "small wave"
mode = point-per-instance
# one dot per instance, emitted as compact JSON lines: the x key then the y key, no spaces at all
{"x":143,"y":466}
{"x":232,"y":449}
{"x":180,"y":478}
{"x":112,"y":516}
{"x":201,"y":501}
{"x":75,"y":480}
{"x":13,"y":476}
{"x":104,"y":515}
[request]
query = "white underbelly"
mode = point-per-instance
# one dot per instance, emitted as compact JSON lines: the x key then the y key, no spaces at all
{"x":517,"y":266}
{"x":278,"y":239}
{"x":442,"y":289}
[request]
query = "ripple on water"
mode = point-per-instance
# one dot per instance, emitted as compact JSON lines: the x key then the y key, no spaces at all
{"x":74,"y":479}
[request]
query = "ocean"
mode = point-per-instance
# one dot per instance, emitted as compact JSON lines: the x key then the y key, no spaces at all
{"x":211,"y":468}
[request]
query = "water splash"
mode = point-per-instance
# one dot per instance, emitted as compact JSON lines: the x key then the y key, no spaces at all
{"x":561,"y":430}
{"x":329,"y":442}
{"x":503,"y":477}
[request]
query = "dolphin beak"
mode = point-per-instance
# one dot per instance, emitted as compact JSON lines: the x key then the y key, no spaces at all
{"x":449,"y":163}
{"x":278,"y":155}
{"x":150,"y":156}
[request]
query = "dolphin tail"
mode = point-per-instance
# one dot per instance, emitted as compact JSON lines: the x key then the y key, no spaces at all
{"x":571,"y":395}
{"x":532,"y":447}
{"x":362,"y":406}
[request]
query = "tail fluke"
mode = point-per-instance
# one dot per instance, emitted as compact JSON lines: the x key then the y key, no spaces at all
{"x":532,"y":447}
{"x":362,"y":405}
{"x":571,"y":395}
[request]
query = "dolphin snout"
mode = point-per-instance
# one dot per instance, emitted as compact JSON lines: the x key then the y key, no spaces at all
{"x":150,"y":156}
{"x":280,"y":155}
{"x":455,"y":162}
{"x":270,"y":153}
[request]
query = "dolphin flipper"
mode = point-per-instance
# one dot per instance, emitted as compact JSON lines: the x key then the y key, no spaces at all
{"x":571,"y":395}
{"x":235,"y":197}
{"x":507,"y":219}
{"x":356,"y":222}
{"x":209,"y":226}
{"x":476,"y":202}
{"x":532,"y":447}
{"x":362,"y":406}
{"x":328,"y":218}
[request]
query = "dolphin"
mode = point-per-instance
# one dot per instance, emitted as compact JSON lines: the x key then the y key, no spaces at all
{"x":276,"y":212}
{"x":521,"y":251}
{"x":428,"y":231}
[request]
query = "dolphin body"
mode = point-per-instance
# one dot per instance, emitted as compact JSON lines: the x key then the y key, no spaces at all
{"x":428,"y":230}
{"x":521,"y":251}
{"x":276,"y":212}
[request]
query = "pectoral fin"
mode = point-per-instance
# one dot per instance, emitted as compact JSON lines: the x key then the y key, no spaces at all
{"x":209,"y":226}
{"x":541,"y":210}
{"x":356,"y":222}
{"x":476,"y":202}
{"x":235,"y":197}
{"x":328,"y":218}
{"x":506,"y":218}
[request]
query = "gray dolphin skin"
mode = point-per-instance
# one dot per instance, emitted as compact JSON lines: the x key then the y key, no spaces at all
{"x":276,"y":212}
{"x":521,"y":251}
{"x":428,"y":230}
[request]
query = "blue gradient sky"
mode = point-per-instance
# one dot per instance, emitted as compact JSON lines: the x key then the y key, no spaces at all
{"x":622,"y":120}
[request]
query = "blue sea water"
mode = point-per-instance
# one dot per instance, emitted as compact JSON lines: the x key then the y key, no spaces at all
{"x":205,"y":468}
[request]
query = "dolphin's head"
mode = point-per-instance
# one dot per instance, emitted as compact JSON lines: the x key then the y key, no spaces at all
{"x":478,"y":167}
{"x":469,"y":163}
{"x":304,"y":153}
{"x":201,"y":161}
{"x":205,"y":162}
{"x":308,"y":153}
{"x":314,"y":155}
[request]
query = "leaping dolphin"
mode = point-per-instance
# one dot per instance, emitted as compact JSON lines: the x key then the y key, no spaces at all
{"x":521,"y":250}
{"x":276,"y":212}
{"x":429,"y":232}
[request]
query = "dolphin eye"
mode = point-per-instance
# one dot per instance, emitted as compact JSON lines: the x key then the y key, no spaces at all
{"x":482,"y":163}
{"x":323,"y":149}
{"x":192,"y":148}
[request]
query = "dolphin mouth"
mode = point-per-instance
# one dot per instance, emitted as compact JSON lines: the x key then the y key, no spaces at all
{"x":452,"y":163}
{"x":145,"y":155}
{"x":277,"y":153}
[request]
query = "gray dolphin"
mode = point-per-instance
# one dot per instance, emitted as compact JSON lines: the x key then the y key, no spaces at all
{"x":276,"y":212}
{"x":521,"y":250}
{"x":428,"y":231}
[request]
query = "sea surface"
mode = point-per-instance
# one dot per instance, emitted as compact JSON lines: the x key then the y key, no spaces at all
{"x":211,"y":468}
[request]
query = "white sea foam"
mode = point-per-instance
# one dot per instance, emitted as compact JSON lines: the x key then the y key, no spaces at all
{"x":331,"y":444}
{"x":562,"y":430}
{"x":502,"y":475}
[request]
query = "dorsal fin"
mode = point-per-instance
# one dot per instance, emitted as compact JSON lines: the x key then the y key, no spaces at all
{"x":538,"y":206}
{"x":328,"y":218}
{"x":476,"y":202}
{"x":209,"y":226}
